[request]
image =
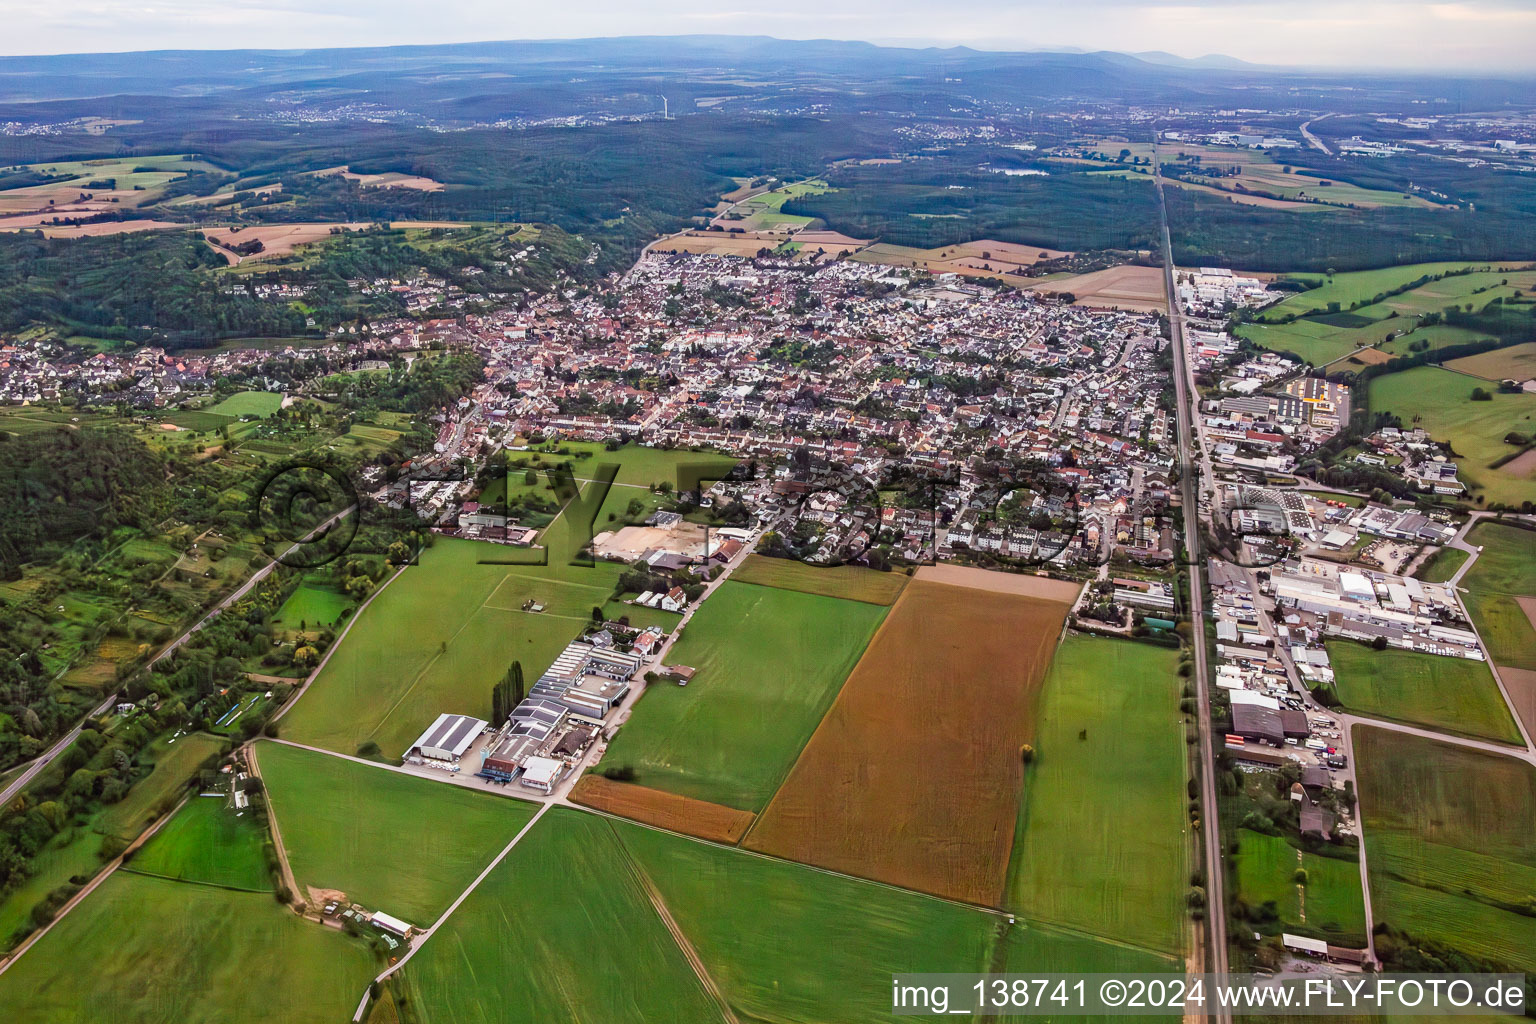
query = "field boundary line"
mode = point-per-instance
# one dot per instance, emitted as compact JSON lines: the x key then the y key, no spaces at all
{"x":426,"y":936}
{"x":684,"y":944}
{"x":85,"y":891}
{"x":284,"y":866}
{"x":336,"y":644}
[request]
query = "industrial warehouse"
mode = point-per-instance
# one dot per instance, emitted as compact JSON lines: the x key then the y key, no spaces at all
{"x":550,"y":728}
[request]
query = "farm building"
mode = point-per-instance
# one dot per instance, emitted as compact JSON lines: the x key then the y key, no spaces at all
{"x":391,"y":924}
{"x":447,"y":738}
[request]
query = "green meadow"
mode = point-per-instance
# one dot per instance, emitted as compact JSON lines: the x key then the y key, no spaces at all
{"x":145,"y":950}
{"x":770,"y":663}
{"x":208,"y":842}
{"x":1328,"y":904}
{"x":1101,"y":844}
{"x":391,"y":842}
{"x":1440,"y":401}
{"x":1449,"y":843}
{"x":1505,"y":570}
{"x":1458,"y":695}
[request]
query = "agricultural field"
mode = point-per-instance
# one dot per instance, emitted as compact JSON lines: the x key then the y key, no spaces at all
{"x":986,"y":258}
{"x":778,"y":942}
{"x":1517,"y":362}
{"x":312,"y":606}
{"x":175,"y":762}
{"x":1328,"y":904}
{"x":1342,"y":315}
{"x":436,"y":639}
{"x":785,"y":943}
{"x":714,"y":822}
{"x":1440,"y":401}
{"x":849,"y":582}
{"x":1358,"y":289}
{"x":1122,"y":287}
{"x":770,"y":661}
{"x":1449,"y":843}
{"x":1101,"y":844}
{"x":207,"y":842}
{"x":913,"y":776}
{"x":388,"y":840}
{"x":1457,"y":695}
{"x":562,"y":929}
{"x":166,"y":952}
{"x":1501,"y":590}
{"x":764,"y":211}
{"x":440,"y":634}
{"x":256,"y":404}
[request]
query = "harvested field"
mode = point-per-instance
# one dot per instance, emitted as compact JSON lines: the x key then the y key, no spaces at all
{"x":982,"y":258}
{"x":1518,"y":362}
{"x":1522,"y":466}
{"x":845,"y":581}
{"x":1001,"y":582}
{"x":720,"y":243}
{"x":106,"y":227}
{"x":913,"y":777}
{"x":1122,"y":287}
{"x":715,"y":822}
{"x":390,"y":179}
{"x":1521,"y":684}
{"x":832,"y":241}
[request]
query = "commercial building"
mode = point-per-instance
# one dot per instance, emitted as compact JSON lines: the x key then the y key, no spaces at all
{"x":446,"y":739}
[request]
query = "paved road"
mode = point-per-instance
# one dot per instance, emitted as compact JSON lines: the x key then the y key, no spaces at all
{"x":46,"y":758}
{"x":43,"y":760}
{"x":1216,"y":906}
{"x":1313,"y":140}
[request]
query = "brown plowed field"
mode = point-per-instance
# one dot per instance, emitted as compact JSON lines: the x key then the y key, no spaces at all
{"x":683,"y":814}
{"x":913,"y":778}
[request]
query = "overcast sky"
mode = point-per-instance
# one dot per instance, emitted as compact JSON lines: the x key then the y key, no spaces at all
{"x":1411,"y":34}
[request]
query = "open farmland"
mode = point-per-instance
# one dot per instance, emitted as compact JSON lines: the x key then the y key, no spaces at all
{"x":561,"y":930}
{"x":175,"y":762}
{"x":1351,"y":311}
{"x":1517,"y":362}
{"x":1442,"y":399}
{"x":785,"y":943}
{"x":1449,"y":843}
{"x":1367,"y":291}
{"x":769,"y":662}
{"x":207,"y":842}
{"x":846,"y":581}
{"x":1122,"y":287}
{"x":1101,"y":844}
{"x":913,"y":776}
{"x":390,"y":841}
{"x":1457,"y":695}
{"x":657,"y":807}
{"x":282,"y":239}
{"x":257,"y":404}
{"x":984,"y":258}
{"x":1504,"y":573}
{"x":167,"y":952}
{"x":1329,"y":904}
{"x":445,"y":630}
{"x":436,"y":639}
